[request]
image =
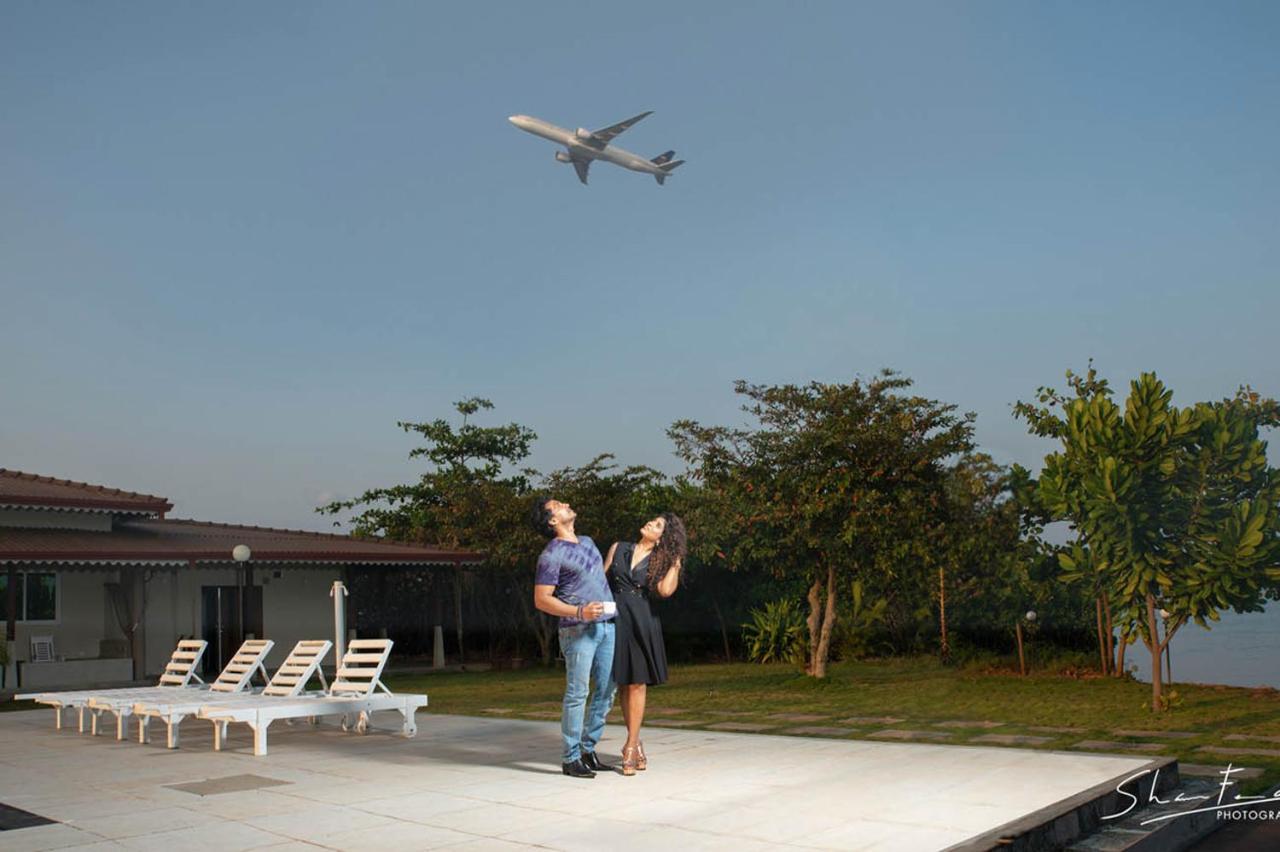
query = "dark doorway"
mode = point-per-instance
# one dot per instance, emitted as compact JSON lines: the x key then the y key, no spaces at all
{"x":223,"y":623}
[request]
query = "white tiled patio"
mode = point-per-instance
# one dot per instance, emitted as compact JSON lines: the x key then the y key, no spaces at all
{"x":471,"y":783}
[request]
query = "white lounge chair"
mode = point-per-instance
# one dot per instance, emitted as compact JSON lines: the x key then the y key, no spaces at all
{"x":244,"y":664}
{"x":42,"y":649}
{"x":178,"y":674}
{"x":289,"y":681}
{"x":354,"y":693}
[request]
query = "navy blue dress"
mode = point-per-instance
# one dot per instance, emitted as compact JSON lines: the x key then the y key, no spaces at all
{"x":638,"y":653}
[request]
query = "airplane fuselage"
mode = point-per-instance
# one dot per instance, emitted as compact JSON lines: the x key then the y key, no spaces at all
{"x":580,"y":148}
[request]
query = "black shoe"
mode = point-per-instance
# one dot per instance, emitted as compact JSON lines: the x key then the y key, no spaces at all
{"x":576,"y":770}
{"x":593,"y":763}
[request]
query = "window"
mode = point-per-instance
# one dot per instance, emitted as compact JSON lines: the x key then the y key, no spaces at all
{"x":37,"y":598}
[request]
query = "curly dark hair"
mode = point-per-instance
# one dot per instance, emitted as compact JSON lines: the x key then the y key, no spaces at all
{"x":540,"y":516}
{"x":669,"y":550}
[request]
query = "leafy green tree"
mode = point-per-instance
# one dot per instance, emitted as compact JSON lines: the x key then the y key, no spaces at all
{"x":469,"y":498}
{"x":1177,"y":506}
{"x":829,"y":480}
{"x":476,"y":496}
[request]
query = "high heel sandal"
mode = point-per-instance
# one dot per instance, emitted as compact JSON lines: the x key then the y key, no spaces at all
{"x":628,"y":760}
{"x":642,"y":762}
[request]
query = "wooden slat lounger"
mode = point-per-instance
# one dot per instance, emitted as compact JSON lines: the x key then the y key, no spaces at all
{"x":249,"y":660}
{"x":355,"y":692}
{"x":289,"y":681}
{"x":179,"y":672}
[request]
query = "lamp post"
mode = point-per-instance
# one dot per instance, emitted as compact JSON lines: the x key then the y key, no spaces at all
{"x":241,"y":554}
{"x":1022,"y":660}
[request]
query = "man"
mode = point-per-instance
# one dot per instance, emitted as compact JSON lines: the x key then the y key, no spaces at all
{"x":570,"y":583}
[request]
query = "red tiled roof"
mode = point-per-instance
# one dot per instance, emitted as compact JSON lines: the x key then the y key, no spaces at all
{"x":28,"y":489}
{"x":178,"y":540}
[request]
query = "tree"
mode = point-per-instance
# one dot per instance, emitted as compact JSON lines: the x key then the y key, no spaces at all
{"x":827,"y":481}
{"x":476,"y":497}
{"x":1177,"y":506}
{"x":470,"y":498}
{"x":1044,"y":421}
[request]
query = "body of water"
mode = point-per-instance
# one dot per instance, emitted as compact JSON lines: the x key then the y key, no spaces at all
{"x":1238,"y":650}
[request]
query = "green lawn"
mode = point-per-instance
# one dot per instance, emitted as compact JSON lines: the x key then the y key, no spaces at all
{"x":921,"y":692}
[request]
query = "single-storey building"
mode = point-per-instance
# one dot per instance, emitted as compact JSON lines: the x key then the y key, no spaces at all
{"x":97,"y":585}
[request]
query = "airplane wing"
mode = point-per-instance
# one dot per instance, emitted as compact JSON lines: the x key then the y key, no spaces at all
{"x":607,"y":134}
{"x":581,"y":166}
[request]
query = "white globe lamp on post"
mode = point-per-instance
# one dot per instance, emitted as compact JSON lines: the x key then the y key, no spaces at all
{"x":1022,"y":660}
{"x":242,"y":554}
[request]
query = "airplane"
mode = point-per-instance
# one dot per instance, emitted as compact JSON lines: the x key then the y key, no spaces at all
{"x":585,"y":146}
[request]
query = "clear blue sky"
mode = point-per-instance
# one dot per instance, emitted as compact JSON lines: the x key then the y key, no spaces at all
{"x":238,"y":241}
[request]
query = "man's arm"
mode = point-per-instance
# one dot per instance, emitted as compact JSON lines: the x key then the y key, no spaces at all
{"x":545,"y":600}
{"x":667,"y":585}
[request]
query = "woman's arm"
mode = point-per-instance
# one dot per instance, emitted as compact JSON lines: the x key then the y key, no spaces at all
{"x":608,"y":560}
{"x":667,"y":585}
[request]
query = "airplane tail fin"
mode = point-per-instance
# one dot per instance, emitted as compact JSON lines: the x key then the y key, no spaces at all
{"x":668,"y":165}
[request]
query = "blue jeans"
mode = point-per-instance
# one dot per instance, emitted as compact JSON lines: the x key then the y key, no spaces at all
{"x":588,"y":657}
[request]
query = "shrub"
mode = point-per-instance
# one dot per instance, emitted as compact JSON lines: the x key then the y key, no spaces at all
{"x":859,"y":624}
{"x":776,"y":634}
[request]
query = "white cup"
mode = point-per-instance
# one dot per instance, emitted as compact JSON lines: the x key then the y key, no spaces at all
{"x":610,"y":608}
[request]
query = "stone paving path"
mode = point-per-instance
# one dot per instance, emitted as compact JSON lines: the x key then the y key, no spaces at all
{"x":895,"y":734}
{"x":819,"y":731}
{"x":1010,"y":739}
{"x":1116,"y":747}
{"x":967,"y":730}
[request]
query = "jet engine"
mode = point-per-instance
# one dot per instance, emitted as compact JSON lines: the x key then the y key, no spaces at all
{"x":562,"y":157}
{"x":584,"y":134}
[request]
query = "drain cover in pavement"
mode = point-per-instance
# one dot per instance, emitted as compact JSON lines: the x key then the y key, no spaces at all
{"x":12,"y":818}
{"x":228,"y":784}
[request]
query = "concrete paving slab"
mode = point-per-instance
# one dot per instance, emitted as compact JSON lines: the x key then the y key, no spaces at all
{"x":1261,"y":752}
{"x":1116,"y":747}
{"x":1210,"y":770}
{"x":495,"y":783}
{"x":673,"y":723}
{"x":1258,"y":737}
{"x":1056,"y":729}
{"x":1156,"y":735}
{"x":227,"y":784}
{"x":1010,"y":739}
{"x":818,"y":731}
{"x":43,"y":837}
{"x":798,"y":717}
{"x":750,"y":727}
{"x":898,"y":734}
{"x":872,"y":720}
{"x":969,"y":723}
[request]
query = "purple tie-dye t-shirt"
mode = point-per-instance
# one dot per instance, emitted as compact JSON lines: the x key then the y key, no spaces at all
{"x":577,"y":572}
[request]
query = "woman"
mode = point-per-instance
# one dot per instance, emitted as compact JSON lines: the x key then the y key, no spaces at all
{"x":639,"y":657}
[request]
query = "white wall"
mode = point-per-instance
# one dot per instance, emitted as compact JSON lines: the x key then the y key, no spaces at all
{"x":295,"y":606}
{"x":81,"y":616}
